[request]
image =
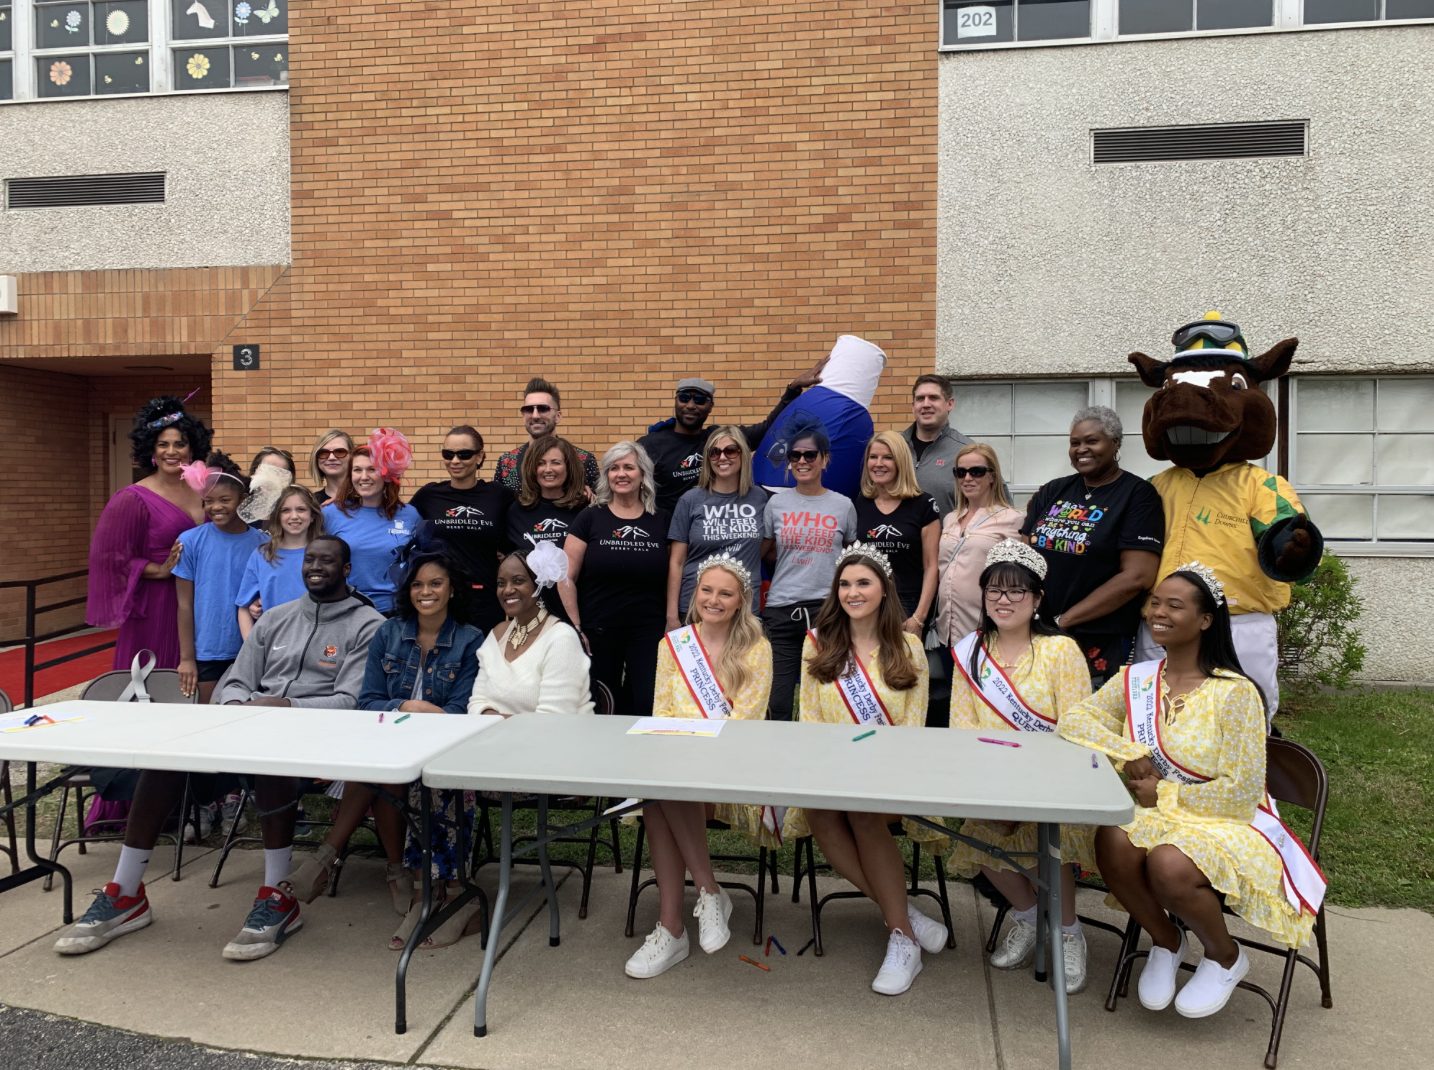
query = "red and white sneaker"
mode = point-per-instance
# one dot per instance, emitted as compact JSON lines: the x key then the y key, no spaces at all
{"x":109,"y":916}
{"x":274,"y":916}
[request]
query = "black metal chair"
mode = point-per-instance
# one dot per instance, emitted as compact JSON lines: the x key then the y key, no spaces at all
{"x":1092,"y":883}
{"x":12,"y":847}
{"x":1294,"y":777}
{"x":162,"y":685}
{"x":804,"y":864}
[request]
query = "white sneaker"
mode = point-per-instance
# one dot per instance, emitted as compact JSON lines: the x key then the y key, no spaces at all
{"x":1018,"y":947}
{"x":1209,"y":990}
{"x":659,"y":952}
{"x":712,"y":911}
{"x":930,"y":933}
{"x":900,"y":967}
{"x":1073,"y":956}
{"x":1156,"y":987}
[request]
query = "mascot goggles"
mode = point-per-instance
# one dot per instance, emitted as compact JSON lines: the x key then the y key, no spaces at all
{"x":1221,"y":332}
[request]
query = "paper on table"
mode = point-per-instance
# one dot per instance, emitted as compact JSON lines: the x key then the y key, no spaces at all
{"x":675,"y":726}
{"x":15,"y":722}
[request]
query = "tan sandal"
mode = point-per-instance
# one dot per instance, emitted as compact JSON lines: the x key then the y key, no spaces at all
{"x":399,"y":940}
{"x":400,"y":887}
{"x":312,"y":877}
{"x":463,"y":923}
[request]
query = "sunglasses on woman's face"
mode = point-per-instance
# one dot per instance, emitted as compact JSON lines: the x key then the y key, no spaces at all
{"x":459,"y":455}
{"x":803,"y":455}
{"x":976,"y":471}
{"x":717,"y":452}
{"x":338,"y":454}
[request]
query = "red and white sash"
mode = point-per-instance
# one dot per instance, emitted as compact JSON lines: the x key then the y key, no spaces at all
{"x":859,"y":693}
{"x":697,"y":673}
{"x":996,"y":689}
{"x":1303,"y":881}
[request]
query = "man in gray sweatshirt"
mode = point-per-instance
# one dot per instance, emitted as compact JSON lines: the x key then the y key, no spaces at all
{"x":308,"y":652}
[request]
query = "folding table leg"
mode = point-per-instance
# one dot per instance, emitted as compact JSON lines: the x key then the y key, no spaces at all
{"x":1049,"y":844}
{"x":1043,"y":904}
{"x":425,"y":802}
{"x":500,"y":907}
{"x":545,"y":871}
{"x":48,"y":864}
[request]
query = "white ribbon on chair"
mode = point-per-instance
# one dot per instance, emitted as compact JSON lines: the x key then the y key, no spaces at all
{"x":139,"y":671}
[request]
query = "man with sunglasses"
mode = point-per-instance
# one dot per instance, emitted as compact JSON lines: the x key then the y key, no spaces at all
{"x":934,"y":442}
{"x":675,"y":445}
{"x":542,"y":411}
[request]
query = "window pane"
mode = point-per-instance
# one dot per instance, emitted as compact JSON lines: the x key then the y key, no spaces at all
{"x":7,"y":26}
{"x":1334,"y":460}
{"x":1041,"y":458}
{"x":1405,"y":460}
{"x":63,"y":76}
{"x":122,"y":72}
{"x":261,"y":64}
{"x":981,"y":23}
{"x":201,"y":68}
{"x":1406,"y":516}
{"x":6,"y":80}
{"x":1130,"y":398}
{"x":1156,"y":16}
{"x":1135,"y":460}
{"x":1044,"y":20}
{"x":1409,"y":9}
{"x":62,"y":25}
{"x":1335,"y":404}
{"x":1003,"y":449}
{"x":1406,"y":404}
{"x":982,"y":409}
{"x":1047,"y":407}
{"x":254,"y":17}
{"x":1232,"y":14}
{"x":195,"y":19}
{"x":121,"y":22}
{"x":1342,"y":516}
{"x":1341,"y":11}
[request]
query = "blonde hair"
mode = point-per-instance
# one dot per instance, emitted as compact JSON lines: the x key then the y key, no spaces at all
{"x":647,"y":491}
{"x":905,"y":485}
{"x":731,"y":667}
{"x":998,"y":484}
{"x":707,"y":477}
{"x":319,"y":443}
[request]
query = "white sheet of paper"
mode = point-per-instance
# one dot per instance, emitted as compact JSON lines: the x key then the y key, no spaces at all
{"x":975,"y":22}
{"x":675,"y":726}
{"x":620,"y":806}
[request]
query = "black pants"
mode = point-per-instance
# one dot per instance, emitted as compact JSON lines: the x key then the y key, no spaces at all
{"x":943,"y":674}
{"x":625,"y":659}
{"x":786,"y":628}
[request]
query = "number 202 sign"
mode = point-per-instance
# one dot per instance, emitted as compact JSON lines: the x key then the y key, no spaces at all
{"x":976,"y":22}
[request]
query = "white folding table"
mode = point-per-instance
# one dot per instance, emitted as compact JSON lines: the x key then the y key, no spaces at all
{"x":917,"y":773}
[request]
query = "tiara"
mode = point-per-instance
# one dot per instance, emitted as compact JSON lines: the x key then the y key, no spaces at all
{"x":1017,"y":553}
{"x":865,"y":552}
{"x":731,"y":564}
{"x":1208,"y":578}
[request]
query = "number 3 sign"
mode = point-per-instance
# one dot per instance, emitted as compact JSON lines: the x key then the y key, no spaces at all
{"x":976,"y":22}
{"x":246,"y":358}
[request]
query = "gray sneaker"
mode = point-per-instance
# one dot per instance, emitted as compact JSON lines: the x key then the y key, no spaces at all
{"x":1017,"y":949}
{"x":110,"y":915}
{"x":274,"y":917}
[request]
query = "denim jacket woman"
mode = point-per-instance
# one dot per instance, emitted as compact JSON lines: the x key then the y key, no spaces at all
{"x":393,"y":666}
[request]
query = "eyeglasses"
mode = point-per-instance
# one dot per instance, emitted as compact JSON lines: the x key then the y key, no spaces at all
{"x":1014,"y":595}
{"x":717,"y":452}
{"x":976,"y":471}
{"x":693,"y":397}
{"x":337,"y":454}
{"x":793,"y":456}
{"x":460,"y":455}
{"x":535,"y":410}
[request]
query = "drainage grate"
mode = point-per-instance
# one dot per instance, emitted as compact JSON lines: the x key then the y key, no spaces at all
{"x":1208,"y":141}
{"x":72,"y":191}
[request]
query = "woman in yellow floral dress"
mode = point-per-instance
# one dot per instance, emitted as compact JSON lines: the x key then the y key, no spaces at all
{"x":1190,"y":731}
{"x":859,"y":667}
{"x":1018,"y":672}
{"x":719,"y":665}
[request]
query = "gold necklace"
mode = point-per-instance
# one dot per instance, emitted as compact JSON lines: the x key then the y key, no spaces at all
{"x":518,"y":633}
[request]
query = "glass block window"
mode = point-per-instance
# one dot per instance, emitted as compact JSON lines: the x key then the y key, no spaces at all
{"x":239,"y":44}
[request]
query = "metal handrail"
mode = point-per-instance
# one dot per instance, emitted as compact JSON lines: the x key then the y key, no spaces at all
{"x":30,"y":639}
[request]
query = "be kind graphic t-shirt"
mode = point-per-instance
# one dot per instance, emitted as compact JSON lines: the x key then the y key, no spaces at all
{"x":810,"y":531}
{"x":897,"y":534}
{"x":710,"y":524}
{"x":623,"y":582}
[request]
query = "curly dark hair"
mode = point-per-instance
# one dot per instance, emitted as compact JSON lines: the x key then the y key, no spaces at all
{"x":461,"y":608}
{"x":159,"y":415}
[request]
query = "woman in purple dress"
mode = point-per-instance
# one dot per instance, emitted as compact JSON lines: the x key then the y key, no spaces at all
{"x":135,"y":546}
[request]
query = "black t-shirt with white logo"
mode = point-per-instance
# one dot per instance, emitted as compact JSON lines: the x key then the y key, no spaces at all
{"x":623,"y":581}
{"x":898,"y":535}
{"x":474,"y":523}
{"x":676,"y":462}
{"x":543,"y":521}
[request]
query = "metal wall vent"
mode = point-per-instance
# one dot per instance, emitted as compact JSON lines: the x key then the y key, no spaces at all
{"x":1207,"y":141}
{"x":73,"y":191}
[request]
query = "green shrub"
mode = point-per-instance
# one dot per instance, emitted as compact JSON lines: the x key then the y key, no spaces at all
{"x":1319,"y":637}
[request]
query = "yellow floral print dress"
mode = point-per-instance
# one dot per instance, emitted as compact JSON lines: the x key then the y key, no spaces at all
{"x":673,"y":699}
{"x":823,"y":704}
{"x":1053,"y":678}
{"x":1219,"y":734}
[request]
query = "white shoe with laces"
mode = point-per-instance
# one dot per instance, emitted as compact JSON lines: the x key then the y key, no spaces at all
{"x":900,"y":967}
{"x":1073,"y":958}
{"x":659,"y":953}
{"x":929,"y":933}
{"x":1210,"y":989}
{"x":1017,"y":948}
{"x":1156,"y":987}
{"x":712,"y":911}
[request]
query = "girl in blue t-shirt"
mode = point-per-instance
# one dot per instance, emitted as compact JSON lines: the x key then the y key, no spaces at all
{"x":273,"y":575}
{"x":211,"y":565}
{"x":370,"y":516}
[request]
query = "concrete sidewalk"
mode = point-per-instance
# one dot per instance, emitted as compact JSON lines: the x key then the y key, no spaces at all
{"x":328,"y":994}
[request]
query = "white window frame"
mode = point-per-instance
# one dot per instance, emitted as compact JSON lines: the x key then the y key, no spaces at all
{"x":159,"y":48}
{"x":1104,"y":16}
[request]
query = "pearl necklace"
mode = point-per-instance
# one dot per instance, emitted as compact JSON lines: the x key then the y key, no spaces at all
{"x":518,"y":633}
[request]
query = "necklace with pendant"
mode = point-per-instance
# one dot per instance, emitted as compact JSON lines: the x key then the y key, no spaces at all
{"x":518,"y":633}
{"x":1089,"y":490}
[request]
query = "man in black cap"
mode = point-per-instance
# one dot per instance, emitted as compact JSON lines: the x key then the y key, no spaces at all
{"x":675,"y":445}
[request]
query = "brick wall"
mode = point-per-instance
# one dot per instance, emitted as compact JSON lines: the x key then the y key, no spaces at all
{"x":613,"y":195}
